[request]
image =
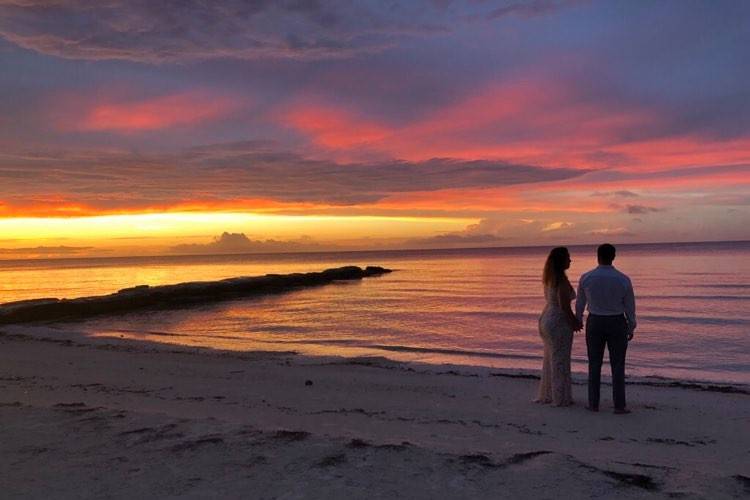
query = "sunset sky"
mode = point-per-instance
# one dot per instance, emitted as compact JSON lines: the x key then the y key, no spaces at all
{"x":144,"y":127}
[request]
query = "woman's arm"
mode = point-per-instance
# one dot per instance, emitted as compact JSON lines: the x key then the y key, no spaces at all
{"x":564,"y":296}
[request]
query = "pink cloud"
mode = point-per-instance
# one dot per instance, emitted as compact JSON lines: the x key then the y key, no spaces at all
{"x":138,"y":115}
{"x":684,"y":151}
{"x":334,"y":128}
{"x":532,"y":121}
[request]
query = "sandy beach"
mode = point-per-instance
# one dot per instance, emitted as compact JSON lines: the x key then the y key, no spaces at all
{"x":83,"y":417}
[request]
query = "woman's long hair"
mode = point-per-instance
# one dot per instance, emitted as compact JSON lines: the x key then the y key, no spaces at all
{"x":554,"y":269}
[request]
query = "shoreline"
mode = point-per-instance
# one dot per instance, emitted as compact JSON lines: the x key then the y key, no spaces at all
{"x":118,"y":418}
{"x":57,"y":331}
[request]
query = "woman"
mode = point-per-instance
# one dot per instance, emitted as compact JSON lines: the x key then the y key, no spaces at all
{"x":556,"y":326}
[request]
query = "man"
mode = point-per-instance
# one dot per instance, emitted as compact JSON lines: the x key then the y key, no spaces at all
{"x":611,"y":322}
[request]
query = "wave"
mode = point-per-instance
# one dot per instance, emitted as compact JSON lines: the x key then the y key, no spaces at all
{"x":358,"y":343}
{"x":637,"y":366}
{"x":411,"y":349}
{"x":153,"y":333}
{"x":742,"y":286}
{"x":452,"y":352}
{"x":698,"y":385}
{"x":531,"y":316}
{"x":695,"y":320}
{"x":697,"y":297}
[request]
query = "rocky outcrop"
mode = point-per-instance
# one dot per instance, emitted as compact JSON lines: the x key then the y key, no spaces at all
{"x":175,"y":296}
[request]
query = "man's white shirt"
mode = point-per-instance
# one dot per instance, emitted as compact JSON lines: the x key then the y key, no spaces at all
{"x":607,"y":292}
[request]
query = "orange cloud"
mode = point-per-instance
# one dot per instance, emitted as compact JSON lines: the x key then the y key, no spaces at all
{"x":186,"y":108}
{"x":58,"y":206}
{"x":557,"y":226}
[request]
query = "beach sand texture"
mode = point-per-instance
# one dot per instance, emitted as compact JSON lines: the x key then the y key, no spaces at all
{"x":98,"y":417}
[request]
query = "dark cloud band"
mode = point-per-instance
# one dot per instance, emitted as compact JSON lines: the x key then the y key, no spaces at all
{"x":185,"y":30}
{"x":241,"y":171}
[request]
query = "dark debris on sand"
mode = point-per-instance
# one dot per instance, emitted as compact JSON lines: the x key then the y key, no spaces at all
{"x":285,"y":435}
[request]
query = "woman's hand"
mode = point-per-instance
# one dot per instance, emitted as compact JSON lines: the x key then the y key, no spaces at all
{"x":564,"y":296}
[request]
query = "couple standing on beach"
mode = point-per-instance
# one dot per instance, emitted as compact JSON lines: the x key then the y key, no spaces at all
{"x":608,"y":293}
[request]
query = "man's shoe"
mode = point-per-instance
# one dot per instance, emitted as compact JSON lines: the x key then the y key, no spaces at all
{"x":621,"y":411}
{"x":592,"y":408}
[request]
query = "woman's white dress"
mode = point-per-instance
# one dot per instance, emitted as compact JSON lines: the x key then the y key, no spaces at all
{"x":557,"y":335}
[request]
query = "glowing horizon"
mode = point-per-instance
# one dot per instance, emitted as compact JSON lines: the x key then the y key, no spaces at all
{"x":172,"y":232}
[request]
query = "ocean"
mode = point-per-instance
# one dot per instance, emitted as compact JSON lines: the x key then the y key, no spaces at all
{"x":468,"y":306}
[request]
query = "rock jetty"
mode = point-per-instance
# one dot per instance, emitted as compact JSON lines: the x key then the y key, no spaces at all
{"x":175,"y":296}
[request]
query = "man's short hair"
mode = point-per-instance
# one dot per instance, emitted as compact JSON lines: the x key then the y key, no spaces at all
{"x":605,"y":254}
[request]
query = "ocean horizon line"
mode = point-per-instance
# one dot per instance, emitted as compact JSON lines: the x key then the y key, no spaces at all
{"x":450,"y":250}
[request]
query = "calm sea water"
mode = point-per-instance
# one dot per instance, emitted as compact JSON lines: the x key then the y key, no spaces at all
{"x":477,"y":307}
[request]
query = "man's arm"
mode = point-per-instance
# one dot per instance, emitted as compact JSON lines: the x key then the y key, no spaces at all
{"x":580,"y":301}
{"x":629,"y":302}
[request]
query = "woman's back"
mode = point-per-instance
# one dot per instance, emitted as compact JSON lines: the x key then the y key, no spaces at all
{"x":552,"y":295}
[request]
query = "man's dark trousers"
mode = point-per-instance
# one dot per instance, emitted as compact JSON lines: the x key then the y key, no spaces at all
{"x":611,"y":331}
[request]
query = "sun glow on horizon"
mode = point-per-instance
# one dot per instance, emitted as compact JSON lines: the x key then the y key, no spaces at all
{"x":174,"y":228}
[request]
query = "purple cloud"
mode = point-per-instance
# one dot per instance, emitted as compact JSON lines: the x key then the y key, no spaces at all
{"x":528,"y":8}
{"x":641,"y":209}
{"x":185,"y":30}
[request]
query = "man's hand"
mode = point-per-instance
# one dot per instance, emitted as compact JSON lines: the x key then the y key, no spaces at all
{"x":577,"y":326}
{"x":630,"y":336}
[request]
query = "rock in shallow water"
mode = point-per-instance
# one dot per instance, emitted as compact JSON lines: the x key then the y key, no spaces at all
{"x":175,"y":296}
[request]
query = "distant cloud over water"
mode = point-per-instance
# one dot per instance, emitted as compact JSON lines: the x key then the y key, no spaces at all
{"x":41,"y":252}
{"x":617,"y":231}
{"x":229,"y":243}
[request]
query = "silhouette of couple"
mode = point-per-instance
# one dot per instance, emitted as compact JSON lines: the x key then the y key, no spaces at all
{"x":608,"y":293}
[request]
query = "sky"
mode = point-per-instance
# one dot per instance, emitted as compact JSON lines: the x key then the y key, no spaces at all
{"x":141,"y":127}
